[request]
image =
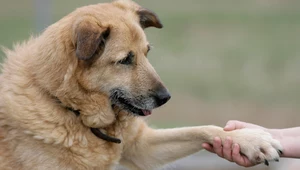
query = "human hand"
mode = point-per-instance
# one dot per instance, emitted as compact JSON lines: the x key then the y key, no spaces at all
{"x":235,"y":124}
{"x":228,"y":150}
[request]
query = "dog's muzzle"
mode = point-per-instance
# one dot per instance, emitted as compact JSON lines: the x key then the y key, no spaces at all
{"x":140,"y":105}
{"x":161,"y":96}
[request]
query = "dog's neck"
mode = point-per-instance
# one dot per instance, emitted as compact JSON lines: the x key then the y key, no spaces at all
{"x":96,"y":131}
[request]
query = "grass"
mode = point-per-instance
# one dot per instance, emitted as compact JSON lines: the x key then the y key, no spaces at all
{"x":213,"y":50}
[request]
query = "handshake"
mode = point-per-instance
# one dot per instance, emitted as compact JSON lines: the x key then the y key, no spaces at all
{"x":289,"y":139}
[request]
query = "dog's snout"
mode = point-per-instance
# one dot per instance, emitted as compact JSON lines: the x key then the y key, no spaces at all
{"x":162,"y":96}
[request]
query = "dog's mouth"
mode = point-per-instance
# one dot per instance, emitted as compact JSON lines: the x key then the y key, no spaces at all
{"x":126,"y":105}
{"x":139,"y":106}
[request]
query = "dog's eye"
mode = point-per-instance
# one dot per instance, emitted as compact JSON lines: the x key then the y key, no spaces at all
{"x":128,"y":59}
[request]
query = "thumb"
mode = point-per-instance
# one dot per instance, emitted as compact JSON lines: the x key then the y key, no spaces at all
{"x":234,"y":124}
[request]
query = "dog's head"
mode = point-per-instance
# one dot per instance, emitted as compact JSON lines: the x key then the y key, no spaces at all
{"x":112,"y":49}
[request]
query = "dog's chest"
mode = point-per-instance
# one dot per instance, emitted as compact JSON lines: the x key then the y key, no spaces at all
{"x":96,"y":156}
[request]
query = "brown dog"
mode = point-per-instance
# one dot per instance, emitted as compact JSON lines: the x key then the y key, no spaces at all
{"x":94,"y":61}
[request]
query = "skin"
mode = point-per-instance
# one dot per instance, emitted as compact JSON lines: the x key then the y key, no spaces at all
{"x":289,"y":138}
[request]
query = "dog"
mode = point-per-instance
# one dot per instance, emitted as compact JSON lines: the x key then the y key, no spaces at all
{"x":74,"y":97}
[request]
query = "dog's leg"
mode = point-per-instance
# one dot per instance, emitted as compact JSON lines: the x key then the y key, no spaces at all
{"x":153,"y":148}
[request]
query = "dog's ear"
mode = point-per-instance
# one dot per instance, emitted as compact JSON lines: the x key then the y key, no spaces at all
{"x":90,"y":37}
{"x":148,"y":19}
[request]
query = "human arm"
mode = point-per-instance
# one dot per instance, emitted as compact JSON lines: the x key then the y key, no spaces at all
{"x":289,"y":139}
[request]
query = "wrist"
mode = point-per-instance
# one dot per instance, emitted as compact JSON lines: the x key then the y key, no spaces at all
{"x":276,"y":133}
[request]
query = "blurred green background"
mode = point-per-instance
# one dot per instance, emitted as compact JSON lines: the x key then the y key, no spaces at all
{"x":221,"y":59}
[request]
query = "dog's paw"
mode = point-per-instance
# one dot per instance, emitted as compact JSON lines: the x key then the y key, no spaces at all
{"x":99,"y":120}
{"x":258,"y":145}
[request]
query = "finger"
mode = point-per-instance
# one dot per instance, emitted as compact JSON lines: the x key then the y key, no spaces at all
{"x":227,"y":149}
{"x":208,"y":147}
{"x":234,"y":124}
{"x":217,"y":146}
{"x":238,"y":158}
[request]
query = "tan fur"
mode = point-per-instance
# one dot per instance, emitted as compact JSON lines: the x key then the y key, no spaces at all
{"x":37,"y":132}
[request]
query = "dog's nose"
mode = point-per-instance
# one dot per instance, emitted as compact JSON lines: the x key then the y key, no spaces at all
{"x":162,"y":96}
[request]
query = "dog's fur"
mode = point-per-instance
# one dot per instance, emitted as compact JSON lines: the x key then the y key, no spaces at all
{"x":84,"y":62}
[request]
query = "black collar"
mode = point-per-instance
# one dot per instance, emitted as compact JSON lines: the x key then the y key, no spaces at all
{"x":97,"y":132}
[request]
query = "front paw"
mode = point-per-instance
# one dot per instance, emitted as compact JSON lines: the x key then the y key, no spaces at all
{"x":258,"y":145}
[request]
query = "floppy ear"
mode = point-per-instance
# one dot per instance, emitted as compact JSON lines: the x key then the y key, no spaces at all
{"x":90,"y":37}
{"x":148,"y":19}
